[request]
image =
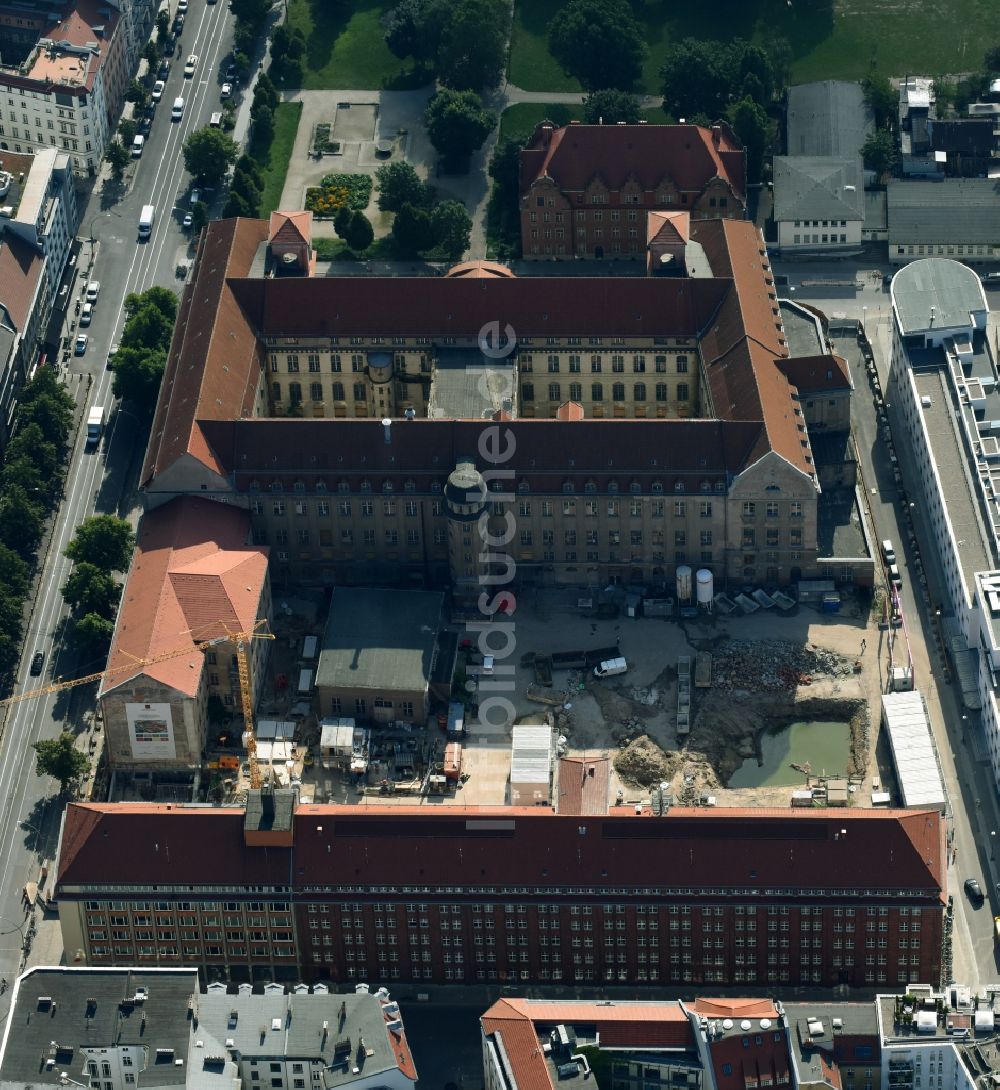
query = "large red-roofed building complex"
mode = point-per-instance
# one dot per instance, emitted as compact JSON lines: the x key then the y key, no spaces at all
{"x":290,"y":891}
{"x":586,"y":189}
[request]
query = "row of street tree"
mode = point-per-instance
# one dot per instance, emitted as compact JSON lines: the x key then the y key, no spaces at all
{"x":31,"y":482}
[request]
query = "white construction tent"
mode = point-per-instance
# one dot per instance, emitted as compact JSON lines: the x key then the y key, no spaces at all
{"x":531,"y":755}
{"x":904,"y":718}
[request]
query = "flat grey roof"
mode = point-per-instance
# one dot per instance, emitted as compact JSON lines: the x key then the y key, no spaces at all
{"x":828,"y":117}
{"x":271,"y":1026}
{"x":856,"y":1019}
{"x":950,"y":460}
{"x":379,"y":639}
{"x":839,"y":530}
{"x":952,"y":211}
{"x":936,"y":293}
{"x":818,"y":187}
{"x":81,"y":1008}
{"x":805,"y":337}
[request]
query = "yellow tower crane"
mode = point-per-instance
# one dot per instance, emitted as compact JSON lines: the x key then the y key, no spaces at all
{"x":240,"y":639}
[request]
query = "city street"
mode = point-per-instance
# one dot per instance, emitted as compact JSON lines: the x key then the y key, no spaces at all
{"x":29,"y":825}
{"x":966,"y":776}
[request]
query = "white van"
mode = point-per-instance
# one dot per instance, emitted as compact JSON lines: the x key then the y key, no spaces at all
{"x":177,"y":112}
{"x":611,"y":667}
{"x":215,"y":121}
{"x":137,"y":145}
{"x":888,"y":552}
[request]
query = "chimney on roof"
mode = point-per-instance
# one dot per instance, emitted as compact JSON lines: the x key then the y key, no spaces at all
{"x":386,"y":430}
{"x":716,"y":135}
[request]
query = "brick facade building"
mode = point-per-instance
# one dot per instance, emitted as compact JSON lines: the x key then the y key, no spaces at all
{"x":342,"y":893}
{"x":586,"y":189}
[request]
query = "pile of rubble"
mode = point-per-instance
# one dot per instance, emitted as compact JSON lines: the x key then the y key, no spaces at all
{"x":773,"y":665}
{"x":642,"y":762}
{"x":631,"y":729}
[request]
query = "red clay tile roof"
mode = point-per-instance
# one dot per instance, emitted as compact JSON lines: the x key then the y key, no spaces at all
{"x":175,"y":841}
{"x":192,"y":569}
{"x":292,"y":227}
{"x":688,"y":154}
{"x":736,"y":1009}
{"x":808,"y":373}
{"x":584,"y":783}
{"x":745,"y":339}
{"x":480,"y":269}
{"x":777,"y":849}
{"x":213,"y":369}
{"x":20,"y":271}
{"x":670,"y":228}
{"x":520,"y":1023}
{"x":520,"y":1043}
{"x":745,"y":1066}
{"x":441,"y":306}
{"x":424,"y":451}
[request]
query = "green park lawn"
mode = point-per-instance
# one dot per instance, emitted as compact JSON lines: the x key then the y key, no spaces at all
{"x":275,"y":159}
{"x":829,"y":39}
{"x":519,"y":121}
{"x":345,"y":47}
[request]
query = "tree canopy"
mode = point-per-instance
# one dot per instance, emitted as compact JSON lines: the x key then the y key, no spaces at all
{"x":457,"y":124}
{"x":879,"y":152}
{"x":452,"y":226}
{"x":60,"y":759}
{"x":412,"y":229}
{"x":599,"y":42}
{"x":881,"y":98}
{"x":209,"y":153}
{"x":464,"y":41}
{"x":398,"y":184}
{"x":355,"y":229}
{"x":117,"y":156}
{"x":751,"y":125}
{"x":609,"y":106}
{"x":104,"y":541}
{"x":705,"y":77}
{"x":91,"y":590}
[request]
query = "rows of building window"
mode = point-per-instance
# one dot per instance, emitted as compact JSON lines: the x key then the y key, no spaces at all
{"x":596,"y":391}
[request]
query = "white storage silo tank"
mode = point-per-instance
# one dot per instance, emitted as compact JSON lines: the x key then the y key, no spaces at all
{"x":706,"y":587}
{"x":683,"y":583}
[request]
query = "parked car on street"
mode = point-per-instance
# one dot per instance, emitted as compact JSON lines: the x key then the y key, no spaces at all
{"x":974,"y":891}
{"x":93,"y":290}
{"x":158,"y":88}
{"x":80,"y":344}
{"x":227,"y":90}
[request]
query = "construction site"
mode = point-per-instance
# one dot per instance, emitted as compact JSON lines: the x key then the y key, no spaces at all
{"x":728,"y":707}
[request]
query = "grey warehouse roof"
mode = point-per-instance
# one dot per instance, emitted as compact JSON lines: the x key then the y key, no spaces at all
{"x":956,"y":210}
{"x":818,"y":188}
{"x":80,"y":1008}
{"x":949,"y":289}
{"x":828,"y":118}
{"x":379,"y":639}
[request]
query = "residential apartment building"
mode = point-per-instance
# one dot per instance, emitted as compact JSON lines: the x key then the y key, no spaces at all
{"x":45,"y":215}
{"x":64,"y":73}
{"x":943,"y":386}
{"x":115,"y":1029}
{"x":321,"y":892}
{"x":585,"y":190}
{"x":922,"y":1038}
